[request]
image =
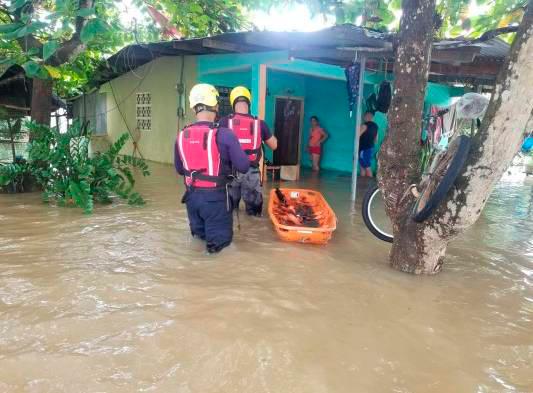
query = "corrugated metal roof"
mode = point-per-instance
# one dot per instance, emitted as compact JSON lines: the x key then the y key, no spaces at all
{"x":334,"y":45}
{"x":494,"y":48}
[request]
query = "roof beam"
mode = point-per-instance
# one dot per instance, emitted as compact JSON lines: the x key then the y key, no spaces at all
{"x":193,"y":47}
{"x":224,"y":46}
{"x":455,"y":56}
{"x":487,"y":70}
{"x":460,"y":79}
{"x":339,"y":55}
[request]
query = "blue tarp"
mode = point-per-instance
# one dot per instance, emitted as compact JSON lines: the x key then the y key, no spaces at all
{"x":527,"y":146}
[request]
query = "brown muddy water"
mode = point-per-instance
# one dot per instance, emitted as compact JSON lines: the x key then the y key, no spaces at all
{"x":124,"y":301}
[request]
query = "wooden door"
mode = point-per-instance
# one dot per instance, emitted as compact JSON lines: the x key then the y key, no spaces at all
{"x":287,"y":129}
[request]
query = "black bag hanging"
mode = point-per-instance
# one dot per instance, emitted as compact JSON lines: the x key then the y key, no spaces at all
{"x":371,"y":103}
{"x":384,"y":97}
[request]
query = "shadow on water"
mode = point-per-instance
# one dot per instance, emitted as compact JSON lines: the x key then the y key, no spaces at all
{"x":124,"y":300}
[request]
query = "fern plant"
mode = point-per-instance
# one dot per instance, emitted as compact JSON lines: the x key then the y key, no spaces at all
{"x":69,"y":176}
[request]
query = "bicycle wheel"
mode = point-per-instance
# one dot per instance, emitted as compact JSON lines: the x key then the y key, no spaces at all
{"x":374,"y":215}
{"x":441,"y":178}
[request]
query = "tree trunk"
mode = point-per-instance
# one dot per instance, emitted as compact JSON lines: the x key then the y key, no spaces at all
{"x":500,"y":137}
{"x":41,"y":101}
{"x":420,"y":248}
{"x":398,"y":159}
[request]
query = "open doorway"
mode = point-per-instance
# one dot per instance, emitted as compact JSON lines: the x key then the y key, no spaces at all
{"x":288,"y":130}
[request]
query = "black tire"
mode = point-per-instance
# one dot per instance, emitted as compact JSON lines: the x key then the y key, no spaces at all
{"x":442,"y":180}
{"x":369,"y":197}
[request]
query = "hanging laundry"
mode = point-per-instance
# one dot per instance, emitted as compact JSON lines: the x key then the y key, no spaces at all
{"x":352,"y":84}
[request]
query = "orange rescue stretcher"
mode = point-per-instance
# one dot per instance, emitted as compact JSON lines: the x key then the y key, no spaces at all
{"x":301,"y":215}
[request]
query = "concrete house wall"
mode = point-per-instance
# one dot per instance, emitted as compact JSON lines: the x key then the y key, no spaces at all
{"x":160,"y":78}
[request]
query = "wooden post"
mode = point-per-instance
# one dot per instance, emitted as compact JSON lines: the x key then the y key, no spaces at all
{"x":41,"y":101}
{"x":259,"y":79}
{"x":259,"y":75}
{"x":358,"y":114}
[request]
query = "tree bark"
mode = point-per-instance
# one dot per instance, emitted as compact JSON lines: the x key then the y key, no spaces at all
{"x":41,"y":101}
{"x":420,"y":248}
{"x":499,"y":138}
{"x":398,"y":159}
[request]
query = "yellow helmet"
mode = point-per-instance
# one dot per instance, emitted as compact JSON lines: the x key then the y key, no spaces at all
{"x":203,"y":93}
{"x":239,"y":92}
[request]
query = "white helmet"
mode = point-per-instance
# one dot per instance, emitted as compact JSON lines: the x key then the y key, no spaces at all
{"x":203,"y":94}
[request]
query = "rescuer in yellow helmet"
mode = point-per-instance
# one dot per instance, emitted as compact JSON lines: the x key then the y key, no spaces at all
{"x":251,"y":133}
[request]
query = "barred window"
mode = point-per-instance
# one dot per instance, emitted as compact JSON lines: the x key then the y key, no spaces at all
{"x":224,"y":106}
{"x":144,"y":111}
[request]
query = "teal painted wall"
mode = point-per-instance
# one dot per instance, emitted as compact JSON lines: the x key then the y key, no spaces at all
{"x":278,"y":84}
{"x":281,"y":84}
{"x":328,"y":99}
{"x":325,"y":98}
{"x":230,"y":79}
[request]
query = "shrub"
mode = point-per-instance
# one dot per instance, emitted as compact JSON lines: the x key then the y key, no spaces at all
{"x":61,"y":165}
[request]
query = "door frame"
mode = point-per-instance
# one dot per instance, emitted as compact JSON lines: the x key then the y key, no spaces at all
{"x":302,"y":100}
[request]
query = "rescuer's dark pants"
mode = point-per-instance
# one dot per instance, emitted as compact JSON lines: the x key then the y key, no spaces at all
{"x":248,"y":187}
{"x":210,"y":217}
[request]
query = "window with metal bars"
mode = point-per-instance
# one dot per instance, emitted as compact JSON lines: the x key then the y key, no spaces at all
{"x":144,"y":111}
{"x":224,"y":106}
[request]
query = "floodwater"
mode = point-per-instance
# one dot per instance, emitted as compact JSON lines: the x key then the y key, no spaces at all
{"x":125,"y":301}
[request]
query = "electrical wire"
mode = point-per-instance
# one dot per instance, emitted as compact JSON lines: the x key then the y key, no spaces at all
{"x":135,"y":144}
{"x":134,"y":90}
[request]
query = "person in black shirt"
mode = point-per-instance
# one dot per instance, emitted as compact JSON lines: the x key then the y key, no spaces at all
{"x":367,"y":140}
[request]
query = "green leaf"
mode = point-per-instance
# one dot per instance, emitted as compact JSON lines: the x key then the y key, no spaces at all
{"x":49,"y":48}
{"x":15,"y":5}
{"x":32,"y":68}
{"x":7,"y":62}
{"x":36,"y":26}
{"x":456,"y":31}
{"x":53,"y":72}
{"x":92,"y":29}
{"x":21,"y":32}
{"x":53,"y":16}
{"x":396,"y":4}
{"x":386,"y":15}
{"x":86,"y":12}
{"x":32,"y":52}
{"x":10,"y":27}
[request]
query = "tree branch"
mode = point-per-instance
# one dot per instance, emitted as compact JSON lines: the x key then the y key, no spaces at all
{"x":489,"y":35}
{"x":28,"y":41}
{"x":501,"y":133}
{"x":72,"y":47}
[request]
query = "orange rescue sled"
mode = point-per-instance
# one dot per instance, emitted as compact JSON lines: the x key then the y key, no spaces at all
{"x":324,"y":216}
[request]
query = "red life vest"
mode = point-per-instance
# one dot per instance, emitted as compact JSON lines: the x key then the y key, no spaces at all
{"x":198,"y":150}
{"x":248,"y":132}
